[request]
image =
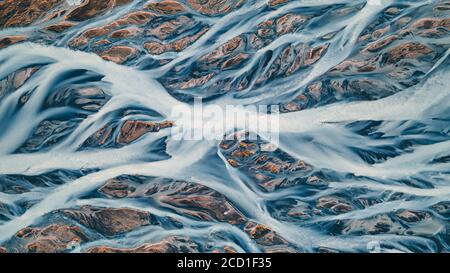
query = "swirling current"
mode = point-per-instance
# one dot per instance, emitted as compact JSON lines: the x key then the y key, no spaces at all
{"x":88,"y":162}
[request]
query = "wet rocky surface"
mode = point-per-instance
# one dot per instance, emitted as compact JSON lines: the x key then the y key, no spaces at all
{"x":49,"y":239}
{"x":66,"y":230}
{"x":109,"y":221}
{"x":173,"y":244}
{"x":244,"y":50}
{"x":391,"y":54}
{"x":271,"y":168}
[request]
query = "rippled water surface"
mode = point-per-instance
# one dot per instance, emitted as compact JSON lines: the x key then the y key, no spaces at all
{"x":88,"y":162}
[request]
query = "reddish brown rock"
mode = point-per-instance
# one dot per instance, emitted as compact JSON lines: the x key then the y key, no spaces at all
{"x":226,"y":249}
{"x":298,"y":60}
{"x":3,"y":250}
{"x":364,"y":38}
{"x":14,"y":13}
{"x":125,"y":33}
{"x":235,"y":61}
{"x":263,"y":235}
{"x":166,"y":7}
{"x":212,"y":207}
{"x":272,"y":184}
{"x":243,"y":153}
{"x":96,"y":32}
{"x":109,"y":221}
{"x":10,"y":40}
{"x":223,"y":50}
{"x":393,"y":11}
{"x":114,"y":188}
{"x":257,"y":231}
{"x":90,"y":9}
{"x":378,"y":56}
{"x":157,"y":48}
{"x":102,"y":42}
{"x":93,"y":8}
{"x":270,"y":167}
{"x":90,"y":98}
{"x":185,"y":198}
{"x":21,"y":76}
{"x":79,"y":41}
{"x":277,"y":2}
{"x":407,"y":51}
{"x":334,"y":204}
{"x":118,"y":3}
{"x":100,"y":137}
{"x":90,"y":91}
{"x":197,"y":201}
{"x":215,"y":7}
{"x":173,"y":244}
{"x":181,"y":44}
{"x":412,"y":216}
{"x":135,"y":18}
{"x":380,"y":224}
{"x":229,"y":249}
{"x":403,"y":21}
{"x":129,"y":131}
{"x":263,"y":163}
{"x":432,"y":33}
{"x":188,"y":198}
{"x":315,"y":54}
{"x":354,"y":65}
{"x":282,"y":249}
{"x":380,"y":32}
{"x":428,"y":23}
{"x":290,"y":60}
{"x":119,"y":54}
{"x":233,"y":163}
{"x":289,"y":23}
{"x":52,"y":238}
{"x":265,"y":32}
{"x":226,"y":144}
{"x":428,"y":28}
{"x":60,"y":27}
{"x":266,"y":24}
{"x":171,"y":27}
{"x":300,"y":211}
{"x":290,"y":107}
{"x":193,"y":82}
{"x":314,"y":180}
{"x":378,"y":45}
{"x":134,"y":129}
